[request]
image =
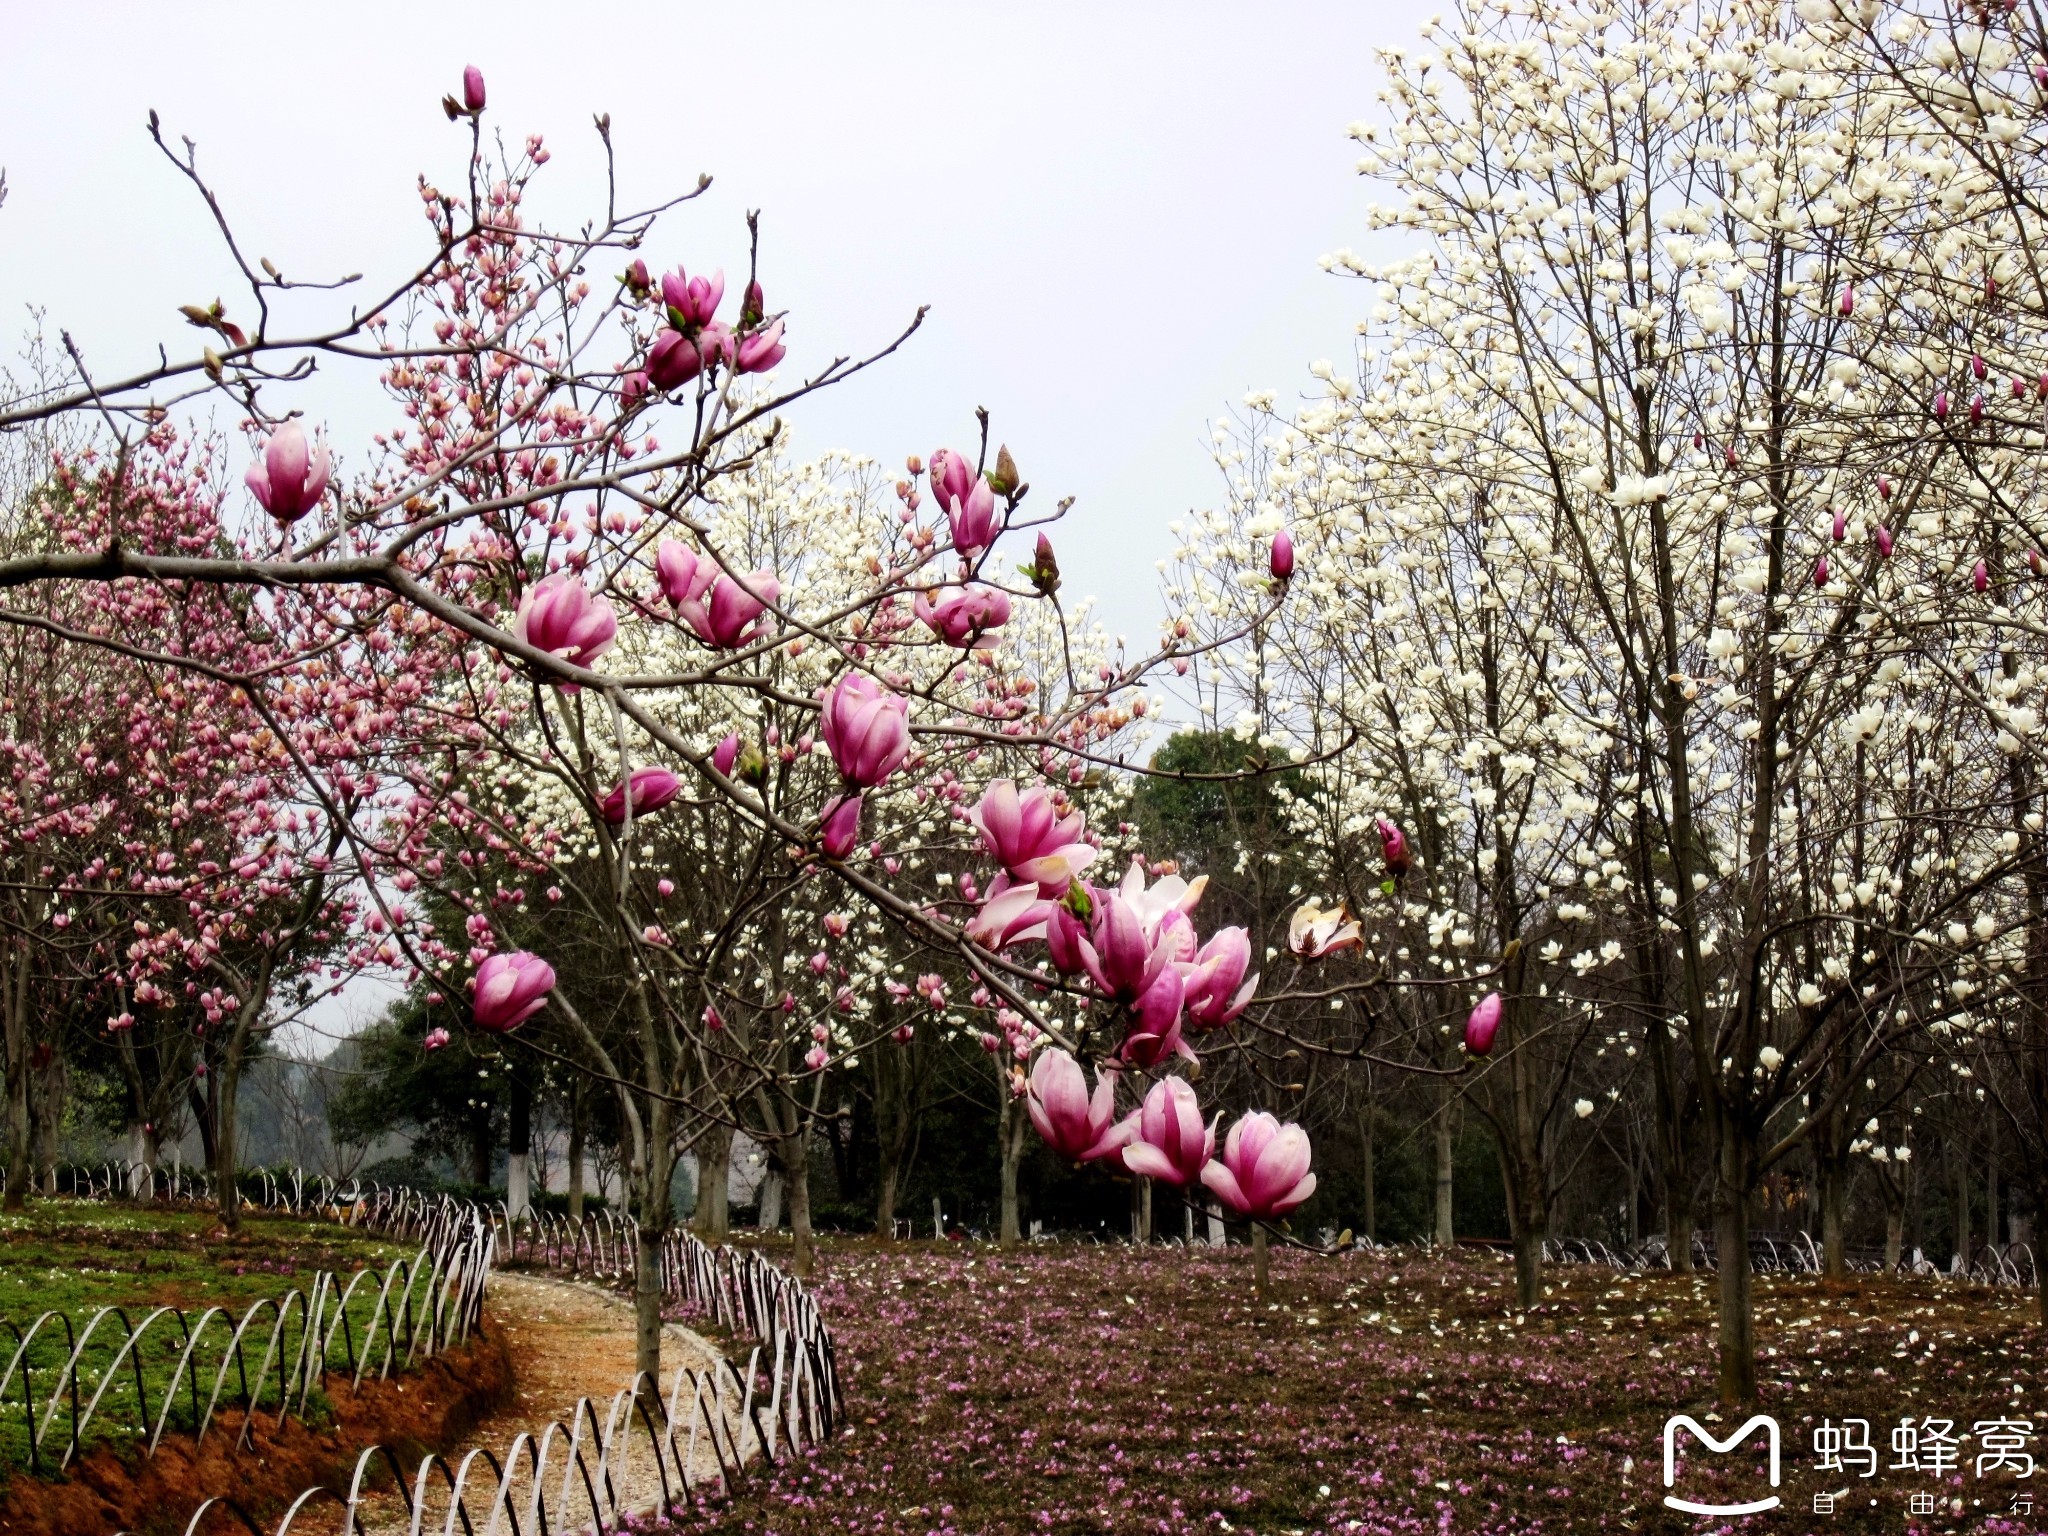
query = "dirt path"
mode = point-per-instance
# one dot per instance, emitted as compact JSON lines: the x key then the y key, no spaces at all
{"x":567,"y":1342}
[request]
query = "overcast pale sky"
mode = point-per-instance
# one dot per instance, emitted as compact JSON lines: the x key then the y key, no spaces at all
{"x":1114,"y":210}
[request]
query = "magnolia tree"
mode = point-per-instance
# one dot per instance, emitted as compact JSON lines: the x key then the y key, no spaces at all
{"x":1650,"y":601}
{"x":552,"y":604}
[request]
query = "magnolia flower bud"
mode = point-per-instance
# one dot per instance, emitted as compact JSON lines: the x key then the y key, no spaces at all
{"x":1282,"y":563}
{"x":1847,"y":306}
{"x":1003,"y":479}
{"x":1820,"y":572}
{"x":1980,"y":576}
{"x":472,"y":90}
{"x":1044,"y":570}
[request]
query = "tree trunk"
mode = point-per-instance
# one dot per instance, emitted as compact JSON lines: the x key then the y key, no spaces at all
{"x":885,"y":1201}
{"x":51,"y":1085}
{"x":1992,"y":1232}
{"x":1736,"y":1333}
{"x":1894,"y":1235}
{"x":713,"y":1219}
{"x":1011,"y":1124}
{"x":518,"y":1146}
{"x":227,"y":1091}
{"x":1445,"y":1174}
{"x":481,"y":1145}
{"x":1832,"y":1176}
{"x":656,"y":1216}
{"x":1367,"y":1130}
{"x":15,"y":1006}
{"x":578,"y":1113}
{"x":896,"y":1089}
{"x":796,"y":1163}
{"x":1959,"y":1210}
{"x":1261,"y":1272}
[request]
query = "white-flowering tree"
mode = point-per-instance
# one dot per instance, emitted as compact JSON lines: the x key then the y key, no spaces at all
{"x":1619,"y":517}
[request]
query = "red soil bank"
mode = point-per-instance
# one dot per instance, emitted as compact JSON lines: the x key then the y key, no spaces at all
{"x":429,"y":1408}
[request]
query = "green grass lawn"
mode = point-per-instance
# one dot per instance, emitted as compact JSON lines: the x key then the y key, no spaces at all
{"x":76,"y":1258}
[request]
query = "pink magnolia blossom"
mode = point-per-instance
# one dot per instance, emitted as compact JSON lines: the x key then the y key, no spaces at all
{"x":1847,"y":306}
{"x":758,"y":351}
{"x":1884,"y":543}
{"x":967,"y":500}
{"x":1263,"y":1173}
{"x":867,"y":729}
{"x":1168,"y":1140}
{"x":695,"y":300}
{"x":726,"y":753}
{"x":839,"y":826}
{"x":1483,"y":1024}
{"x":565,"y":618}
{"x":436,"y":1038}
{"x":719,"y":608}
{"x":653,"y":787}
{"x":1217,"y":988}
{"x":1028,"y":837}
{"x":1282,"y":564}
{"x":291,"y":476}
{"x":1394,"y":848}
{"x":510,"y":989}
{"x":1841,"y":527}
{"x":1134,"y":933}
{"x":675,"y":359}
{"x":968,"y":617}
{"x":1980,"y":576}
{"x":1065,"y":941}
{"x":1078,"y":1126}
{"x":1012,"y":914}
{"x":1154,"y":1034}
{"x":1820,"y":571}
{"x":1313,"y":933}
{"x":472,"y":89}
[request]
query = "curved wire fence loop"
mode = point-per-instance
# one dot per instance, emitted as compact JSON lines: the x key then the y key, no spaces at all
{"x":578,"y":1475}
{"x":103,"y":1372}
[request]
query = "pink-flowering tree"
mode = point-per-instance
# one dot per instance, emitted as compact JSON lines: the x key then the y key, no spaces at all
{"x":531,"y":573}
{"x":194,"y":864}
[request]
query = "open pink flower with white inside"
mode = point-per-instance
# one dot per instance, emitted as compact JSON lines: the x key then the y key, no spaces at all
{"x":1010,"y":915}
{"x":1168,"y":1141}
{"x":1263,"y":1173}
{"x":1078,"y":1126}
{"x":1029,"y":838}
{"x":1137,"y":931}
{"x":1313,"y":933}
